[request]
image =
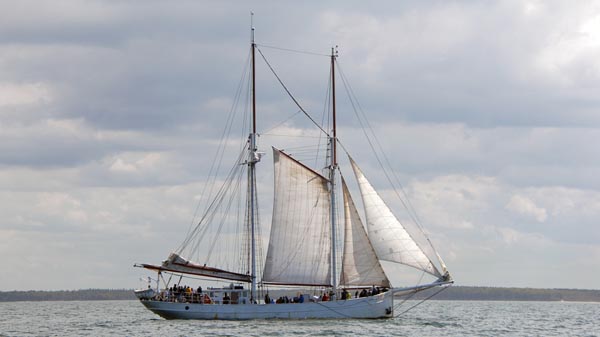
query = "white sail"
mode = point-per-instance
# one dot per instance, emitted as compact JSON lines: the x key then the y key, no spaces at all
{"x":300,"y":241}
{"x":360,"y":266}
{"x":389,"y":238}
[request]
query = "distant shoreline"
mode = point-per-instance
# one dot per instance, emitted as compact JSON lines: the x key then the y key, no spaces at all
{"x":466,"y":293}
{"x":455,"y":293}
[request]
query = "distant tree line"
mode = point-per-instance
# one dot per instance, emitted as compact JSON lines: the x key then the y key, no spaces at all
{"x":455,"y":293}
{"x":68,"y":295}
{"x":462,"y":293}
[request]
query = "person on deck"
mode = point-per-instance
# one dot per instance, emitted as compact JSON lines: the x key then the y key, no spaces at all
{"x":267,"y":299}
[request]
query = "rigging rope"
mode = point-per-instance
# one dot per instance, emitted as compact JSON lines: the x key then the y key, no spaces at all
{"x":280,"y":123}
{"x":290,"y":94}
{"x":407,"y":204}
{"x":293,"y":50}
{"x":419,"y":303}
{"x":218,"y":157}
{"x":199,"y":230}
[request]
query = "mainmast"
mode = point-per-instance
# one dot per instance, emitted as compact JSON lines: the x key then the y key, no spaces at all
{"x":332,"y":169}
{"x":253,"y":158}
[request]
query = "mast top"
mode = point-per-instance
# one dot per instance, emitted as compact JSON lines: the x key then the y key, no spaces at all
{"x":252,"y":27}
{"x":334,"y":54}
{"x":253,"y":44}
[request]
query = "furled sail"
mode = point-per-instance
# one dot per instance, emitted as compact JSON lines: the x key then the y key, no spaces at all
{"x":360,"y":266}
{"x":300,"y":240}
{"x":178,"y":264}
{"x":389,"y":238}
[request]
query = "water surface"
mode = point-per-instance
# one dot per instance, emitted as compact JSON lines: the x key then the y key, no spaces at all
{"x":432,"y":318}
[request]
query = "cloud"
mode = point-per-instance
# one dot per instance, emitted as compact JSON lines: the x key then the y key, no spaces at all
{"x":12,"y":94}
{"x":525,"y":206}
{"x":111,"y":112}
{"x":476,"y":71}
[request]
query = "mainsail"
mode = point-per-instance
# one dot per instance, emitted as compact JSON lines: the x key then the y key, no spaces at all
{"x":300,"y":240}
{"x":389,"y":238}
{"x":360,"y":266}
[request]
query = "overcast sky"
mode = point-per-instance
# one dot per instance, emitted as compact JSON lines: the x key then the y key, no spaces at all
{"x":488,"y":110}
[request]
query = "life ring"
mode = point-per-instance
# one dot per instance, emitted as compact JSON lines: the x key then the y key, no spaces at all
{"x":206,"y":299}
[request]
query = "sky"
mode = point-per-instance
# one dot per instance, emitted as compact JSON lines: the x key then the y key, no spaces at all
{"x":488,"y":111}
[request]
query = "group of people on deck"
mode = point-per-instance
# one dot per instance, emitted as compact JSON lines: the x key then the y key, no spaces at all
{"x":182,"y":294}
{"x":326,"y":296}
{"x":371,"y":292}
{"x":284,"y":299}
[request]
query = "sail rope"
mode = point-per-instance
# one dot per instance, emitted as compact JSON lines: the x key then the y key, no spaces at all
{"x":267,"y":132}
{"x":336,"y":311}
{"x":222,"y":201}
{"x":326,"y":104}
{"x":357,"y":108}
{"x":406,"y":200}
{"x":219,"y":153}
{"x":293,"y":50}
{"x":200,"y":230}
{"x":290,"y":94}
{"x":233,"y":192}
{"x":419,"y":303}
{"x":324,"y":117}
{"x":352,"y":304}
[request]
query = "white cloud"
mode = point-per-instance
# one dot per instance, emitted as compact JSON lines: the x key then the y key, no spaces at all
{"x":19,"y":94}
{"x":572,"y":54}
{"x":513,"y":237}
{"x":120,"y":166}
{"x":138,"y":164}
{"x":525,"y":206}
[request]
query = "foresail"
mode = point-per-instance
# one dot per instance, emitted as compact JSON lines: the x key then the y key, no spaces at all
{"x":300,"y":240}
{"x":389,"y":238}
{"x":360,"y":266}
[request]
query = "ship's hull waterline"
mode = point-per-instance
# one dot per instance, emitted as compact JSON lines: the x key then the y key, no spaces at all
{"x":378,"y":306}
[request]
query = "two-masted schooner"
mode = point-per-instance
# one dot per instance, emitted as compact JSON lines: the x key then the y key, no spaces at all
{"x":303,"y":248}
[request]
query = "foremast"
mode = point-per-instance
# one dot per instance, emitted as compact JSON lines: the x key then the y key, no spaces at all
{"x":332,"y":170}
{"x":253,"y":158}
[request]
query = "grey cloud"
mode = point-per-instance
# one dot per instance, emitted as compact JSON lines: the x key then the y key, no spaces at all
{"x":487,"y":111}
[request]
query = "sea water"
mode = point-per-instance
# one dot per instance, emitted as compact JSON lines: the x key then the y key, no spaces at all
{"x":432,"y":318}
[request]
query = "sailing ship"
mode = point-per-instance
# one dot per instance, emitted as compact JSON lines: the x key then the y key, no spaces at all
{"x":303,"y":244}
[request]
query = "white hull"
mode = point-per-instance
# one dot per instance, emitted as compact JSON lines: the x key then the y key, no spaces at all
{"x":378,"y":306}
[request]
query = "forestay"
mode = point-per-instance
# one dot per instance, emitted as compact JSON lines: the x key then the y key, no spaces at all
{"x":389,"y":238}
{"x":360,"y":266}
{"x":300,"y":239}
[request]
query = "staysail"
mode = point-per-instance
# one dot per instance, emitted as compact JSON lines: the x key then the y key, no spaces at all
{"x":300,"y":240}
{"x":389,"y":238}
{"x":360,"y":266}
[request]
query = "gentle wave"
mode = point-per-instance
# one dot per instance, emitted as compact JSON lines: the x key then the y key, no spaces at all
{"x":432,"y":318}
